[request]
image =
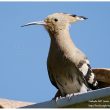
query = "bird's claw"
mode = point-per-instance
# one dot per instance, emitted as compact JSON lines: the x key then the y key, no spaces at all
{"x":73,"y":94}
{"x":58,"y":98}
{"x":69,"y":96}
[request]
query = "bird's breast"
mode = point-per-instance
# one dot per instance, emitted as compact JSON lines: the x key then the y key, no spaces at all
{"x":63,"y":71}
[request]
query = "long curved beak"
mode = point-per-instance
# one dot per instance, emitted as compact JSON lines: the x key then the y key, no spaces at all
{"x":34,"y":23}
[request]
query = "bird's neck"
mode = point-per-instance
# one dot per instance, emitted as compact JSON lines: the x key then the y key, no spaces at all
{"x":62,"y":40}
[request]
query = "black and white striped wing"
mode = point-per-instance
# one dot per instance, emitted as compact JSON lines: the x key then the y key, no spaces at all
{"x":85,"y":68}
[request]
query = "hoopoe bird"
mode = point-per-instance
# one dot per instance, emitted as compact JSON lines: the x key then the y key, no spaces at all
{"x":68,"y":67}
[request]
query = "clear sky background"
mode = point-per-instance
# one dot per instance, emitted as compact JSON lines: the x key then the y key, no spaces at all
{"x":23,"y":51}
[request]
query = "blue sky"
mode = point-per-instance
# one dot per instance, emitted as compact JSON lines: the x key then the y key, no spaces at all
{"x":23,"y":51}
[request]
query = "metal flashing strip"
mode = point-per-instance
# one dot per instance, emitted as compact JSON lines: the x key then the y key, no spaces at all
{"x":91,"y":95}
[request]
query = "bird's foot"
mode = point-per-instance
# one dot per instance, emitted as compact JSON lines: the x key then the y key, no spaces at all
{"x":69,"y":96}
{"x":73,"y":94}
{"x":58,"y":98}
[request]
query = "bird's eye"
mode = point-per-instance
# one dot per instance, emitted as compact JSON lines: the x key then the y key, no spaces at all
{"x":55,"y":20}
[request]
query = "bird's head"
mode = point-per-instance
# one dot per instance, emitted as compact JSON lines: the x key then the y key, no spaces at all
{"x":58,"y":21}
